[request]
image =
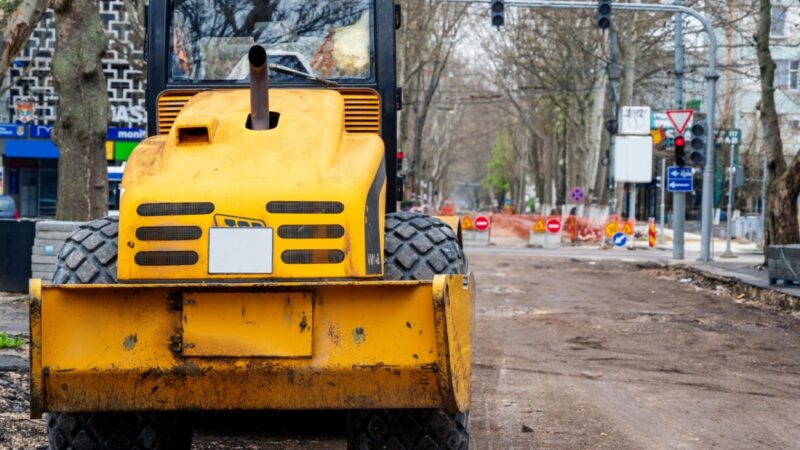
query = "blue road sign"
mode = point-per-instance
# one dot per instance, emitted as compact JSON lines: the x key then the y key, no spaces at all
{"x":620,"y":239}
{"x":680,"y":179}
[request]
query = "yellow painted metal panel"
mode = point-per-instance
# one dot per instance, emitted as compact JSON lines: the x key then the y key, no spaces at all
{"x":247,"y":324}
{"x":242,"y":170}
{"x":375,"y":344}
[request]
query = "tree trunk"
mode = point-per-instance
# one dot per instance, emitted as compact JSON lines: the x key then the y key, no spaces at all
{"x":83,"y":110}
{"x":781,"y":226}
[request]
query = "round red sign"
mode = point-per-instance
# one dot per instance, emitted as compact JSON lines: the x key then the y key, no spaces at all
{"x":481,"y":223}
{"x":553,"y":225}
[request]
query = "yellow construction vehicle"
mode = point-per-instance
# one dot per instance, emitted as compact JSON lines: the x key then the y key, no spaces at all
{"x":257,"y":262}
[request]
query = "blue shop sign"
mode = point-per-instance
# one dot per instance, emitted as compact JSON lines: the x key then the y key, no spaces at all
{"x":40,"y":131}
{"x":126,"y":134}
{"x":13,"y":131}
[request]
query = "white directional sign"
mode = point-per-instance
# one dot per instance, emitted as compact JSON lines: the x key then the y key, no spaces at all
{"x":680,"y":118}
{"x":633,"y":159}
{"x":634,"y":120}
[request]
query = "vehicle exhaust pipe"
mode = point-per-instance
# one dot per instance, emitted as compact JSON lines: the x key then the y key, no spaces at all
{"x":259,"y":88}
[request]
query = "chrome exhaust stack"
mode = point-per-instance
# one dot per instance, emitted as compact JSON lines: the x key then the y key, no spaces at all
{"x":259,"y":88}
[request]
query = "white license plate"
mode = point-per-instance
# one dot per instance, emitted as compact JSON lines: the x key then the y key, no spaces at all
{"x":239,"y":250}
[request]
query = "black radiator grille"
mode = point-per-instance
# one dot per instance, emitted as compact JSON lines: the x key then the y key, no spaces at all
{"x":174,"y":258}
{"x":311,"y":231}
{"x":312,"y":256}
{"x":168,"y":233}
{"x":305,"y":207}
{"x":174,"y":209}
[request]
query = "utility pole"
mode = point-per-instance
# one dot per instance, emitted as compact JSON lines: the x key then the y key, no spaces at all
{"x":663,"y":207}
{"x":729,"y":214}
{"x":678,"y":198}
{"x":613,"y":76}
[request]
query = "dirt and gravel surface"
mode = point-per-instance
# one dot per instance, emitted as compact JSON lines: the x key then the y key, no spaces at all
{"x":574,"y":354}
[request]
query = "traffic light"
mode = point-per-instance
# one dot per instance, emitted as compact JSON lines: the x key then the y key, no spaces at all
{"x":603,"y":17}
{"x":699,"y":136}
{"x":680,"y":151}
{"x":400,"y":157}
{"x":498,"y":13}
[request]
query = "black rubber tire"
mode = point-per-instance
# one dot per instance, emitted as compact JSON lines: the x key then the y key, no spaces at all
{"x":407,"y":429}
{"x":112,"y":431}
{"x":416,"y":247}
{"x":89,"y":256}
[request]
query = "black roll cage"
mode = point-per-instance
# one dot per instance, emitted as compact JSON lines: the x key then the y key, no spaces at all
{"x":384,"y":82}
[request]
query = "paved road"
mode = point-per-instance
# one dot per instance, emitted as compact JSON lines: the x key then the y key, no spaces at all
{"x":571,"y":353}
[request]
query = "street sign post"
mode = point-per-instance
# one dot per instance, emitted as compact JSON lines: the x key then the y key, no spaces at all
{"x":680,"y":179}
{"x":553,"y":225}
{"x":577,"y":195}
{"x":481,"y":223}
{"x":730,"y":137}
{"x":680,"y":118}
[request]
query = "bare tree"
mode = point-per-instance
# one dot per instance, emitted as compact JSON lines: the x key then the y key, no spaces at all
{"x":83,"y":110}
{"x":781,"y":225}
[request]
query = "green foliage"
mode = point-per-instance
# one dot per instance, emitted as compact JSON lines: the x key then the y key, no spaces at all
{"x":7,"y":7}
{"x":499,"y":166}
{"x":532,"y":205}
{"x":10,"y":342}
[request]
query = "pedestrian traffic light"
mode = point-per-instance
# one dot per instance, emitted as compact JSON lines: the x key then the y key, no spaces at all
{"x":699,"y":136}
{"x":680,"y":151}
{"x":603,"y":17}
{"x":498,"y":13}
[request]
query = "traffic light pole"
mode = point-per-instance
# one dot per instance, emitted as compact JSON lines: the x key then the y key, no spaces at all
{"x":711,"y":88}
{"x":613,"y":76}
{"x":678,"y":198}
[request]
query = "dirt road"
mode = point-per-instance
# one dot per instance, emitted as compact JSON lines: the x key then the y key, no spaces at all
{"x":571,"y":354}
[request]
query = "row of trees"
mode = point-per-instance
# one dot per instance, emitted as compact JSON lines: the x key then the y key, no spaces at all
{"x":522,"y":108}
{"x":538,"y":92}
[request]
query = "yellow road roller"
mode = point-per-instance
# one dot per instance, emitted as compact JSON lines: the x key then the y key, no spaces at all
{"x":258,"y":262}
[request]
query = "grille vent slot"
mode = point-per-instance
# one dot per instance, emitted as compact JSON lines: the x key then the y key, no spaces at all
{"x":174,"y":209}
{"x":312,"y":256}
{"x":311,"y":231}
{"x":305,"y":207}
{"x":170,"y":105}
{"x":168,"y":233}
{"x":179,"y":258}
{"x":362,"y":109}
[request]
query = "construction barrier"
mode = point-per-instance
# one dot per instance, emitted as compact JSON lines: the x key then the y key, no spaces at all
{"x":546,"y":232}
{"x":651,"y":232}
{"x":476,"y":230}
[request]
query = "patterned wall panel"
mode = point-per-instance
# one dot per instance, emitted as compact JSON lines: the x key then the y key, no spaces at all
{"x":126,"y":82}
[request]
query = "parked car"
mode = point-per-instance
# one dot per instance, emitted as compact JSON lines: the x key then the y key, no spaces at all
{"x":8,"y":208}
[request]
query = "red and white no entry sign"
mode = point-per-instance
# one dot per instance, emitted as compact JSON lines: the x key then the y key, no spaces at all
{"x":553,"y":225}
{"x":481,"y":223}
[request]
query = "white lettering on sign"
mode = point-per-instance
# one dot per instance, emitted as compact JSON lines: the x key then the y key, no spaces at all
{"x":124,"y":114}
{"x":131,"y":134}
{"x":373,"y":259}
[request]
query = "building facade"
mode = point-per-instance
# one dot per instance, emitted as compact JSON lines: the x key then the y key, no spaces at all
{"x":28,"y":109}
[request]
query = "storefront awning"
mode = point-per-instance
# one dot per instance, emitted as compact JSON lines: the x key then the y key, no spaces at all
{"x":31,"y":149}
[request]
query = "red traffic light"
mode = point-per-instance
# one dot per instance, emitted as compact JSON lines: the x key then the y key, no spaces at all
{"x":680,"y":141}
{"x":400,"y":155}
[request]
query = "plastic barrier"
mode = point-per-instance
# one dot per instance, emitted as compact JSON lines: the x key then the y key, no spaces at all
{"x":476,"y":230}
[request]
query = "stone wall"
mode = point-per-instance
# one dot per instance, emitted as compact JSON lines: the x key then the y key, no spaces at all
{"x":50,"y":237}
